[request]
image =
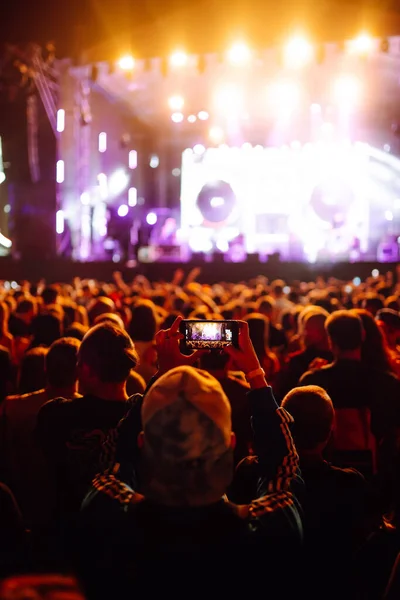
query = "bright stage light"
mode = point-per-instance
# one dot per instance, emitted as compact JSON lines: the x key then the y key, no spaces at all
{"x":102,"y":181}
{"x":154,"y":161}
{"x":203,"y":115}
{"x":126,"y":63}
{"x":216,"y":134}
{"x":60,"y":171}
{"x":151,"y":218}
{"x":199,"y":241}
{"x":298,"y":52}
{"x":85,"y":198}
{"x":239,"y":54}
{"x":229,"y":98}
{"x":222,"y":245}
{"x":199,"y":149}
{"x":4,"y":241}
{"x":118,"y":181}
{"x":192,"y":119}
{"x":60,"y":221}
{"x":178,"y":59}
{"x":102,"y":142}
{"x":176,"y":103}
{"x":388,"y":215}
{"x":2,"y":177}
{"x":284,"y":96}
{"x":316,"y":109}
{"x":132,"y":160}
{"x":177,"y":117}
{"x":132,"y":196}
{"x":123,"y":210}
{"x":347,"y":90}
{"x":362,"y":45}
{"x":60,"y":120}
{"x":217,"y":201}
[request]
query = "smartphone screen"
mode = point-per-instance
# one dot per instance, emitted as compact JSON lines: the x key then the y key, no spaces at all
{"x":209,"y":334}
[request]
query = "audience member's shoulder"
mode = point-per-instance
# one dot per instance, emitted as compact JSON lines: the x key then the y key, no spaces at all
{"x":295,"y":356}
{"x":238,"y":378}
{"x":58,"y":404}
{"x":349,"y":476}
{"x":21,"y":397}
{"x":311,"y":377}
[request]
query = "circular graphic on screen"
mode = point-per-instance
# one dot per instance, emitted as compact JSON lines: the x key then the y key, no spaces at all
{"x":216,"y":201}
{"x":331,"y":200}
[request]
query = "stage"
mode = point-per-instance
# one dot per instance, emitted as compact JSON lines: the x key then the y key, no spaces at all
{"x":287,"y":155}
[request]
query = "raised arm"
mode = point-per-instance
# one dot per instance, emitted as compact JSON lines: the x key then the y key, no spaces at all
{"x":274,"y":446}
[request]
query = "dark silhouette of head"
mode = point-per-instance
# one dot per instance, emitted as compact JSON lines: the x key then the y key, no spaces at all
{"x":345,"y":331}
{"x":374,"y":349}
{"x":258,"y":331}
{"x":61,"y":361}
{"x":32,"y":375}
{"x":106,"y":356}
{"x":50,"y":295}
{"x":99,"y":306}
{"x":144,"y":324}
{"x":46,"y":329}
{"x":313,"y":413}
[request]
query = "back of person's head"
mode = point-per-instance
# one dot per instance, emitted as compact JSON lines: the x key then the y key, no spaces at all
{"x":258,"y":331}
{"x":76,"y":330}
{"x":32,"y":375}
{"x":54,"y":309}
{"x":61,"y":361}
{"x":144,"y":324}
{"x":50,"y":294}
{"x":327,"y":303}
{"x":110,"y":317}
{"x":99,"y":306}
{"x":313,"y":329}
{"x":265,"y":305}
{"x":374,"y":350}
{"x":277,"y":287}
{"x":313,"y":414}
{"x":302,"y":313}
{"x":107,"y":354}
{"x":390,"y":319}
{"x":46,"y":329}
{"x":187,"y":448}
{"x":373,"y":302}
{"x":26,"y":305}
{"x":345,"y":330}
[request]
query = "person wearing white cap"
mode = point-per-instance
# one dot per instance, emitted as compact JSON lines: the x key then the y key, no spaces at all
{"x":177,"y":533}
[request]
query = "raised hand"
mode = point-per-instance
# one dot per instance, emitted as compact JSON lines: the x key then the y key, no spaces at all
{"x":168,"y":349}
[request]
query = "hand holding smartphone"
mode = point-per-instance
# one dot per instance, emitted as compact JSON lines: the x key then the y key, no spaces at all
{"x":208,"y":334}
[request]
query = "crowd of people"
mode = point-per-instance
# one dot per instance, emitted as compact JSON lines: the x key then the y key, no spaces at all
{"x":131,"y":466}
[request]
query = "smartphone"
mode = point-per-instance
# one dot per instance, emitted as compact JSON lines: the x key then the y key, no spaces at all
{"x":211,"y":335}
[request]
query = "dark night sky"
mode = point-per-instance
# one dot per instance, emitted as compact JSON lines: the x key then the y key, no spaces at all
{"x":154,"y":26}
